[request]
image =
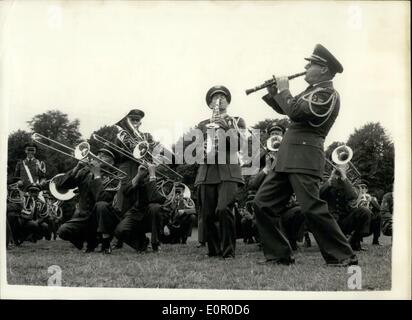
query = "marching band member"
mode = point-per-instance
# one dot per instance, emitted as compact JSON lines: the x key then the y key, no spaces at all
{"x":218,"y":182}
{"x":292,"y":218}
{"x":30,"y":170}
{"x":24,"y":219}
{"x":340,"y":194}
{"x":89,"y":179}
{"x":300,"y":164}
{"x":179,"y":221}
{"x":146,"y":213}
{"x":370,"y":202}
{"x":131,"y":123}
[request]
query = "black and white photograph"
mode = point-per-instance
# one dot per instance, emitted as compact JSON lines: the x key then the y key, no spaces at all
{"x":205,"y":149}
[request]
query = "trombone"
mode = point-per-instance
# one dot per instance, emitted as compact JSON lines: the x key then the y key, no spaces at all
{"x":81,"y":152}
{"x":136,"y":154}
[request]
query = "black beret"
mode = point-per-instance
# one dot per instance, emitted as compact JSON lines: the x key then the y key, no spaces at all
{"x":134,"y":113}
{"x":218,"y":89}
{"x":108,"y":152}
{"x":361,"y":182}
{"x":322,"y":56}
{"x":30,"y":145}
{"x":275,"y":126}
{"x":33,"y":187}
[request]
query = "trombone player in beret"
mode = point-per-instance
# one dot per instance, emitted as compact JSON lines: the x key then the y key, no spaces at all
{"x":218,"y":182}
{"x":300,"y":164}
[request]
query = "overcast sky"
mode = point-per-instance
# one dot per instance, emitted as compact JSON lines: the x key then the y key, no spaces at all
{"x":96,"y":60}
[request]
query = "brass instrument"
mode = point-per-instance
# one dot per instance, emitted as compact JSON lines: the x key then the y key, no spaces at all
{"x":82,"y":153}
{"x":341,"y":158}
{"x":135,"y":155}
{"x":272,"y":82}
{"x":14,"y":193}
{"x":273,"y":143}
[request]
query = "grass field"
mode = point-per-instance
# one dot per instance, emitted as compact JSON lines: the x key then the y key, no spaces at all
{"x":185,"y":266}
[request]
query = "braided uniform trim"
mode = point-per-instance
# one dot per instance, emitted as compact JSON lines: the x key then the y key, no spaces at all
{"x":332,"y":100}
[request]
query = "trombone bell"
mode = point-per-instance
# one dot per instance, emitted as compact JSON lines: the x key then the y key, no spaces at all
{"x":82,"y":150}
{"x":273,"y":143}
{"x":342,"y":155}
{"x":140,"y":149}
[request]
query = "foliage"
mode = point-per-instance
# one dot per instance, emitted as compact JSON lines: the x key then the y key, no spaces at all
{"x":15,"y":152}
{"x":54,"y":125}
{"x":107,"y":132}
{"x":373,"y":155}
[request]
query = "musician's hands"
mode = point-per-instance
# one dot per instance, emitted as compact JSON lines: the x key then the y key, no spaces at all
{"x":272,"y":90}
{"x":95,"y":169}
{"x":152,"y":171}
{"x":19,"y":183}
{"x":269,"y":164}
{"x":282,"y":83}
{"x":222,"y":123}
{"x":342,"y":172}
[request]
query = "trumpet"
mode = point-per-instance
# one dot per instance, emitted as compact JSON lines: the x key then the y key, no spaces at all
{"x":341,"y":158}
{"x":271,"y":82}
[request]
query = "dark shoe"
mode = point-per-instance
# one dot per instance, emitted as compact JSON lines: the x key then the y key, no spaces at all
{"x":89,"y":250}
{"x":308,"y":242}
{"x":293,"y":245}
{"x":78,"y":244}
{"x":282,"y":261}
{"x":155,"y":247}
{"x":375,"y":242}
{"x":107,"y":250}
{"x":230,"y":257}
{"x":343,"y":263}
{"x":202,"y":244}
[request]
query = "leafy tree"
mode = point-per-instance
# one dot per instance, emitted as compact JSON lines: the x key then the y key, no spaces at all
{"x":373,"y":155}
{"x":56,"y":125}
{"x":107,"y":132}
{"x":15,"y":152}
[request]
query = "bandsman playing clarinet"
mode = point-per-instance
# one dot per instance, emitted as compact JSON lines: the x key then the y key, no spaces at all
{"x":300,"y":164}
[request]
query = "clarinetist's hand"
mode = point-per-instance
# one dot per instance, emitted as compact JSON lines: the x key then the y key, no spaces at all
{"x":282,"y":83}
{"x":272,"y":89}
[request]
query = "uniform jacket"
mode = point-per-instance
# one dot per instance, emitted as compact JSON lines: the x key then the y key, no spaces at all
{"x":301,"y":150}
{"x":90,"y":190}
{"x":34,"y":167}
{"x":122,"y":202}
{"x":145,"y":193}
{"x":216,"y":173}
{"x":338,"y":195}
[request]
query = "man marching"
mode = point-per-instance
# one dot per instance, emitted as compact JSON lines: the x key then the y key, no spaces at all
{"x":218,"y":182}
{"x":300,"y":164}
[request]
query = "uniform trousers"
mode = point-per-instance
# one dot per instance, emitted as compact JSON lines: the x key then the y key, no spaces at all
{"x":136,"y":223}
{"x":270,"y":202}
{"x":216,"y":208}
{"x":356,"y":222}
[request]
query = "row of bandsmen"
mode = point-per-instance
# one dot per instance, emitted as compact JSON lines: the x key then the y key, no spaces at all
{"x":356,"y":217}
{"x":33,"y":213}
{"x":297,"y":172}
